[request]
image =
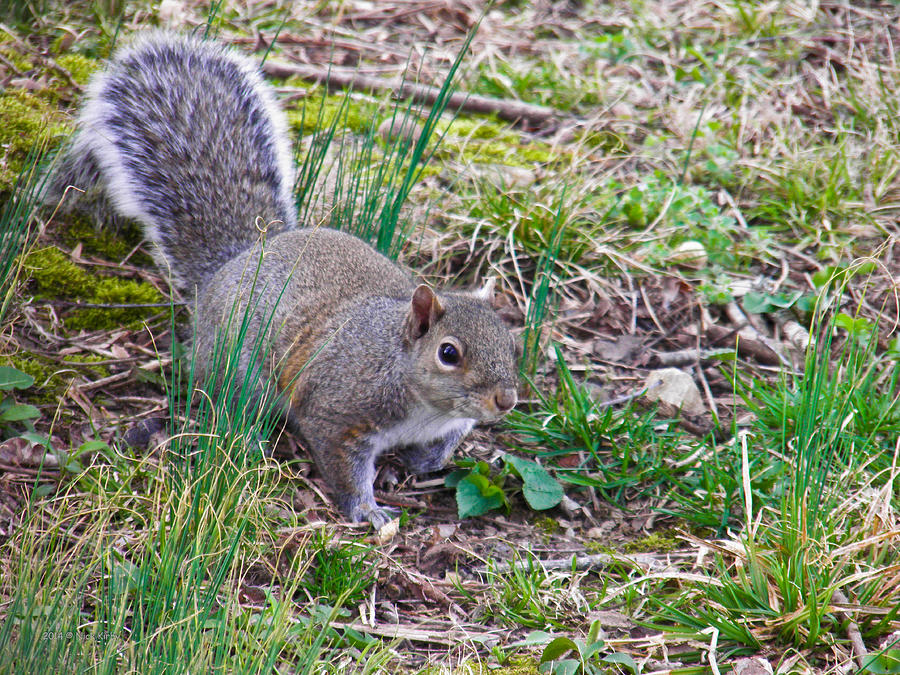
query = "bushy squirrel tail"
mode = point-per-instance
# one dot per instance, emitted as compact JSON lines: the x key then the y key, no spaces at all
{"x":184,"y":136}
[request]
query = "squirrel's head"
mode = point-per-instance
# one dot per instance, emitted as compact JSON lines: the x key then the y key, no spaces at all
{"x":464,"y":357}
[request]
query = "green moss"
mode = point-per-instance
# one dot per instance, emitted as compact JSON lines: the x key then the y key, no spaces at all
{"x":108,"y":243}
{"x":481,"y":128}
{"x":547,"y":525}
{"x":318,"y":113}
{"x":479,"y":139}
{"x":52,"y":378}
{"x":42,"y":370}
{"x":25,"y":121}
{"x":81,"y":67}
{"x":53,"y":274}
{"x":87,"y":360}
{"x":19,"y":60}
{"x":658,"y":542}
{"x":596,"y":547}
{"x":516,"y":666}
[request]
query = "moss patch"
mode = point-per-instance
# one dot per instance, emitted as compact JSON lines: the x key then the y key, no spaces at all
{"x":516,"y":666}
{"x":317,"y":113}
{"x":54,"y":275}
{"x":52,"y":378}
{"x":658,"y":542}
{"x":25,"y":121}
{"x":480,"y":139}
{"x":105,"y":243}
{"x":15,"y":57}
{"x":595,"y":547}
{"x":79,"y":66}
{"x":547,"y":525}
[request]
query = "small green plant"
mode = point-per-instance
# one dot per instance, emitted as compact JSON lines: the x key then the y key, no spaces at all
{"x":617,"y":449}
{"x":540,"y":300}
{"x":524,"y":594}
{"x":478,"y":491}
{"x":576,"y":656}
{"x":690,"y":212}
{"x":340,"y":573}
{"x":11,"y":412}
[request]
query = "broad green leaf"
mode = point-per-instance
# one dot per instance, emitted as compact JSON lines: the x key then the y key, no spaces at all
{"x":558,"y":647}
{"x":451,"y":480}
{"x":19,"y":412}
{"x":36,"y":438}
{"x":475,"y":495}
{"x":757,"y":303}
{"x":540,"y":489}
{"x":564,"y":667}
{"x":535,"y":637}
{"x":13,"y":378}
{"x":885,"y":663}
{"x":622,"y":660}
{"x":43,"y":489}
{"x":93,"y":446}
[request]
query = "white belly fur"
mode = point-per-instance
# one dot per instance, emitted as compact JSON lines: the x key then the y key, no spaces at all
{"x":423,"y":426}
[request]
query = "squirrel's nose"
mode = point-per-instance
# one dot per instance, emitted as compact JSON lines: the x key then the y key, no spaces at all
{"x":505,"y":399}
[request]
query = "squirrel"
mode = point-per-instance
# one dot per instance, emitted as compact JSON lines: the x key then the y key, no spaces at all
{"x":185,"y":137}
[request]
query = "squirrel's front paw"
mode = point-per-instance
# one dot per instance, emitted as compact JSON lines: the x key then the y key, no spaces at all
{"x":368,"y":511}
{"x":379,"y":517}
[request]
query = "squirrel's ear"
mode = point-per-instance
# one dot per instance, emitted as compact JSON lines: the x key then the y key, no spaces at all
{"x":424,"y":310}
{"x":486,"y":292}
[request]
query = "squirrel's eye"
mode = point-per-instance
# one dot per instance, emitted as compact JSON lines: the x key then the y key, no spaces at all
{"x":448,"y":354}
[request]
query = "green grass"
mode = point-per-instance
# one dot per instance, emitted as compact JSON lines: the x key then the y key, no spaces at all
{"x":372,"y":176}
{"x":792,"y":567}
{"x":16,"y":224}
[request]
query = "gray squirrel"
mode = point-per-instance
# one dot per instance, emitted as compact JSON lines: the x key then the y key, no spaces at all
{"x":184,"y":136}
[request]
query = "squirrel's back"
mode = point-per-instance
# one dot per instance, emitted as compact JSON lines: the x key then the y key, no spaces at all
{"x":184,"y":136}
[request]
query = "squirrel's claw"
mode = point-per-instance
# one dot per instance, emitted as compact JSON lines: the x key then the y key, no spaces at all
{"x":378,"y":516}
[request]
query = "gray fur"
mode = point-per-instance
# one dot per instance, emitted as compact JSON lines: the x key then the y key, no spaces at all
{"x":348,"y":341}
{"x":188,"y":141}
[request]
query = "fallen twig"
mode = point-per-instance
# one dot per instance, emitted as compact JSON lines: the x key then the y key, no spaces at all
{"x":853,"y":632}
{"x":746,"y":346}
{"x":688,"y":357}
{"x":444,"y":637}
{"x":512,"y":111}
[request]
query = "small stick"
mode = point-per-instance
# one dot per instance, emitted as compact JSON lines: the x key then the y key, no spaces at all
{"x":856,"y":641}
{"x":686,"y":357}
{"x":512,"y":111}
{"x":415,"y":634}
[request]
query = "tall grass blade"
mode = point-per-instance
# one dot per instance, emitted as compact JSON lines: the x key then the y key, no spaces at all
{"x":540,"y":299}
{"x":373,"y":178}
{"x":16,"y":220}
